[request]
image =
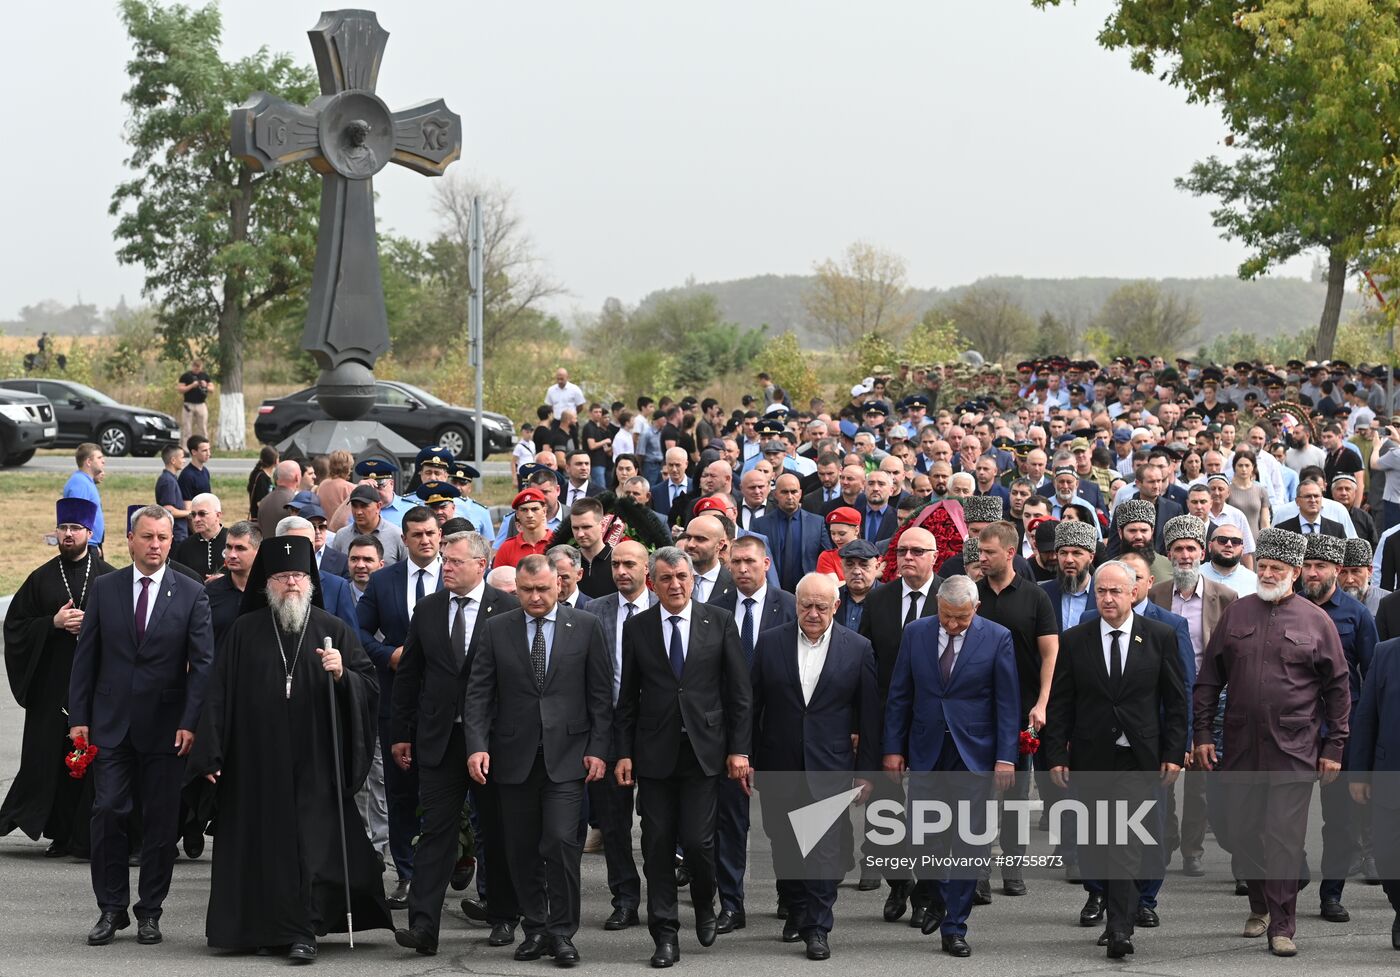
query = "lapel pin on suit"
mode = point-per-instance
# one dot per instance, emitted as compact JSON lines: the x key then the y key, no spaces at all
{"x":1137,"y":639}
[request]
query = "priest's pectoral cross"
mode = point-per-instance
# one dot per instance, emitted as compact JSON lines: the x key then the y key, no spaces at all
{"x":347,"y":135}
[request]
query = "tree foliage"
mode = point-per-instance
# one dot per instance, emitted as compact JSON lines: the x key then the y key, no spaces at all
{"x":933,"y":340}
{"x":1142,"y":319}
{"x":1310,"y":91}
{"x":990,"y":321}
{"x":864,"y":293}
{"x":217,"y":241}
{"x":790,"y":366}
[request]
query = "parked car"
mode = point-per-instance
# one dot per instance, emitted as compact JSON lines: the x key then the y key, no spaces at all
{"x":26,"y":423}
{"x":410,"y":412}
{"x":85,"y":414}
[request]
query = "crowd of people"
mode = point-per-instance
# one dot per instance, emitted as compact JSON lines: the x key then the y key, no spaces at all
{"x":1144,"y":568}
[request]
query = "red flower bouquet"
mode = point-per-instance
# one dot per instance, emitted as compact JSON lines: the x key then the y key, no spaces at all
{"x":79,"y":758}
{"x":945,"y":521}
{"x":1029,"y":742}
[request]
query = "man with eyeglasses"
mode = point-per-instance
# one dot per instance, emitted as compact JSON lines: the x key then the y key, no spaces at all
{"x":203,"y":549}
{"x":1225,"y":548}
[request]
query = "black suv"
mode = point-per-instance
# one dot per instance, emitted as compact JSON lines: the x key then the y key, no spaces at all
{"x":410,"y":412}
{"x":26,"y":423}
{"x":85,"y":414}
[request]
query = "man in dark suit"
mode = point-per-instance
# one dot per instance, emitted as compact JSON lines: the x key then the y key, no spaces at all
{"x":576,"y":488}
{"x":829,"y":487}
{"x":384,"y":614}
{"x":427,"y":729}
{"x":954,"y":706}
{"x":878,"y":516}
{"x":814,"y":691}
{"x":1374,"y":747}
{"x":1309,"y":519}
{"x":673,"y":483}
{"x":756,"y":607}
{"x":538,"y":717}
{"x":795,"y":533}
{"x":888,"y":610}
{"x":135,"y":692}
{"x":707,"y":543}
{"x":609,"y":801}
{"x":1118,"y":701}
{"x":684,"y":719}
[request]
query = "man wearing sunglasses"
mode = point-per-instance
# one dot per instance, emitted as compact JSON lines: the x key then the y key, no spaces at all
{"x":1226,"y":550}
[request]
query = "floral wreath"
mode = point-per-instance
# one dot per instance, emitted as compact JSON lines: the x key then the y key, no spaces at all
{"x":624,"y":518}
{"x":944,"y":520}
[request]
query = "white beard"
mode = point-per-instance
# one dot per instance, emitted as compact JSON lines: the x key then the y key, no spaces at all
{"x":1274,"y":594}
{"x":289,"y":612}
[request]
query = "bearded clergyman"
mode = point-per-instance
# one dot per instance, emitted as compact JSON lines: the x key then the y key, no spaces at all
{"x":267,"y":741}
{"x":41,"y":632}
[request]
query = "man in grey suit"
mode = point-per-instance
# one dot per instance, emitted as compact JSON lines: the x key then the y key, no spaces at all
{"x":610,"y":802}
{"x":538,"y":717}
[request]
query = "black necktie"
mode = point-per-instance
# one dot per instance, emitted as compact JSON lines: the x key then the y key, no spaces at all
{"x":459,"y":628}
{"x":418,"y":591}
{"x":746,"y":632}
{"x":677,"y":651}
{"x":141,"y":606}
{"x":913,"y":608}
{"x":537,"y":654}
{"x":1115,"y":659}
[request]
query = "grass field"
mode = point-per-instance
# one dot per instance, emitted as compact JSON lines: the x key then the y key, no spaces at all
{"x":27,"y":512}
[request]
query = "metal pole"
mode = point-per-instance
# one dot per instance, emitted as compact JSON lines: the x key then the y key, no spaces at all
{"x":474,"y":315}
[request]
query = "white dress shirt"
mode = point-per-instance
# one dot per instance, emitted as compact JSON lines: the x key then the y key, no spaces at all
{"x":705,"y":584}
{"x":811,"y":657}
{"x":1125,"y":637}
{"x":471,"y":610}
{"x":758,"y":597}
{"x":638,"y":605}
{"x":904,"y":598}
{"x":430,"y":581}
{"x":152,"y":589}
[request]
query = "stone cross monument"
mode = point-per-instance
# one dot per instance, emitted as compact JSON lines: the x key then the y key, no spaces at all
{"x":347,"y":134}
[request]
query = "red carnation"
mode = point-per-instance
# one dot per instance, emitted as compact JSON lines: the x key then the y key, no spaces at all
{"x":1029,"y":742}
{"x":79,"y":758}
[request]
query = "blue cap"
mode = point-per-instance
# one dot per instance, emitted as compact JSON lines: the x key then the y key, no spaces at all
{"x":460,"y":469}
{"x":375,"y":468}
{"x":302,"y":499}
{"x":80,"y":512}
{"x":312,"y":510}
{"x":525,"y":472}
{"x":1122,"y":434}
{"x":848,"y":430}
{"x":433,"y":493}
{"x":434,"y":455}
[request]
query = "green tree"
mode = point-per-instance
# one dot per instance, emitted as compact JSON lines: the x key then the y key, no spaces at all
{"x":1140,"y":318}
{"x":1055,"y":336}
{"x":218,"y":242}
{"x":866,"y":292}
{"x":933,"y":340}
{"x":990,"y":320}
{"x":790,"y":366}
{"x":1310,"y":93}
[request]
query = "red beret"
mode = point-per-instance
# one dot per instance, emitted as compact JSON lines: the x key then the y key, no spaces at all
{"x":709,"y":503}
{"x":843,"y":514}
{"x":527,"y":495}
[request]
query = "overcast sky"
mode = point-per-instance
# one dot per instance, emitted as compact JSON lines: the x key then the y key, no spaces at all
{"x":647,"y":142}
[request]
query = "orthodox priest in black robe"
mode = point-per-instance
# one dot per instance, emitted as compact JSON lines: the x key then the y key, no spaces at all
{"x":265,"y":742}
{"x":41,"y":632}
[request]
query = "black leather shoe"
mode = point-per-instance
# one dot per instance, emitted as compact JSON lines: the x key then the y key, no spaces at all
{"x":57,"y":850}
{"x":533,"y":947}
{"x":982,"y":895}
{"x":475,"y":911}
{"x":918,"y":917}
{"x":956,"y":946}
{"x":502,"y":934}
{"x":1191,"y":866}
{"x":682,"y":876}
{"x":417,"y":939}
{"x":1241,"y":887}
{"x":194,"y":841}
{"x":463,"y":873}
{"x":302,"y":953}
{"x":1013,"y":887}
{"x":106,"y":929}
{"x":1092,"y":913}
{"x":817,"y":946}
{"x":792,"y":932}
{"x":705,"y":923}
{"x":148,"y":931}
{"x":933,"y":919}
{"x":782,"y":911}
{"x":398,"y":899}
{"x":1334,"y":912}
{"x":868,"y":883}
{"x":666,"y":954}
{"x":1119,"y":946}
{"x":897,"y":901}
{"x":1147,"y":918}
{"x":1103,"y":938}
{"x":729,"y":921}
{"x":621,"y":919}
{"x":565,"y":953}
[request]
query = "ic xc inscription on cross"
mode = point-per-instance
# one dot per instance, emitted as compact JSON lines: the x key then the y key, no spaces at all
{"x":347,"y":134}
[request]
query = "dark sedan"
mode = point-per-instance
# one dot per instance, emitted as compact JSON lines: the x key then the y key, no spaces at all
{"x":26,"y":423}
{"x":85,"y":414}
{"x":410,"y":412}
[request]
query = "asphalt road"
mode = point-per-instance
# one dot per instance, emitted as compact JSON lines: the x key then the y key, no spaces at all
{"x":218,"y":466}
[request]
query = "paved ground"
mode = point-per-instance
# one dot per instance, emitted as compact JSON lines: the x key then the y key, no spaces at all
{"x":46,"y":909}
{"x":218,"y":466}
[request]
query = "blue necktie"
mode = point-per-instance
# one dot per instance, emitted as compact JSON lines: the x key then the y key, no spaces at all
{"x":792,"y":550}
{"x":746,"y":632}
{"x":677,"y":650}
{"x":872,"y":524}
{"x":418,"y":591}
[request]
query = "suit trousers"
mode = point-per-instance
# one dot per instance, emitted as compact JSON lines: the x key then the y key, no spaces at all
{"x":1267,"y":826}
{"x":611,"y":805}
{"x":731,"y":843}
{"x":374,"y":811}
{"x":401,"y":795}
{"x":1338,"y":837}
{"x":809,"y":901}
{"x":679,"y":808}
{"x":1188,"y":832}
{"x":1118,"y":867}
{"x":544,"y":850}
{"x":952,"y":890}
{"x":118,"y":774}
{"x":494,"y":882}
{"x":442,"y":792}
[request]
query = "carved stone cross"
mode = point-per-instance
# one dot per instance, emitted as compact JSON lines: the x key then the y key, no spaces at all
{"x":347,"y":134}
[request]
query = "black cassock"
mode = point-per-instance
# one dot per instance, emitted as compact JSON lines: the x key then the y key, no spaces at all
{"x":44,"y":800}
{"x":277,"y":876}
